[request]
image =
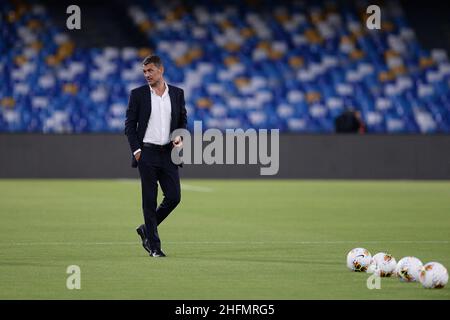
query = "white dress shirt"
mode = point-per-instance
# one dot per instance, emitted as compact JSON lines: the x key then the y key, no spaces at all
{"x":158,"y":128}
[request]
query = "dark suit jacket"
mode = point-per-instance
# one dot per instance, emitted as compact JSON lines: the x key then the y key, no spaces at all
{"x":139,"y":110}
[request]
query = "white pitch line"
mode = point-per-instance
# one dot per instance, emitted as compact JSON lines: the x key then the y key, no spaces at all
{"x":225,"y":243}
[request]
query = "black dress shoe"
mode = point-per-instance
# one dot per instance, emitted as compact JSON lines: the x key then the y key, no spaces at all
{"x":141,"y":232}
{"x":157,"y":253}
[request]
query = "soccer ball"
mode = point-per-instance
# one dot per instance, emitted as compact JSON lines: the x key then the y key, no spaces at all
{"x":408,"y":269}
{"x":433,"y":275}
{"x":358,"y":259}
{"x":382,"y":264}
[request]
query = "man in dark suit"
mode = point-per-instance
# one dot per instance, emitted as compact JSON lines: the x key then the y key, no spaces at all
{"x":154,"y":111}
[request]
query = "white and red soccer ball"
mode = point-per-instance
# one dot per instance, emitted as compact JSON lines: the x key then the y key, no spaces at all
{"x":408,"y":269}
{"x":358,"y":259}
{"x":382,"y":264}
{"x":433,"y":275}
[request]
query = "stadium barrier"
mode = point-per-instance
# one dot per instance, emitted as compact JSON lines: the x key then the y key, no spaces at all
{"x":300,"y":156}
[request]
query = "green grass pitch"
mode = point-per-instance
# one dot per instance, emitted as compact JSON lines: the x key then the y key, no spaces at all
{"x":228,"y":239}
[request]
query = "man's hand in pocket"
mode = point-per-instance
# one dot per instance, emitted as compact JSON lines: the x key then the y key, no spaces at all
{"x":138,"y":155}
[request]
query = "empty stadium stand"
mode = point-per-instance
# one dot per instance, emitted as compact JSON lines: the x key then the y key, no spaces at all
{"x":292,"y":65}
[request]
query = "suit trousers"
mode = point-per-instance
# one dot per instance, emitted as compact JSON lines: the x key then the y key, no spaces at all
{"x":155,"y":165}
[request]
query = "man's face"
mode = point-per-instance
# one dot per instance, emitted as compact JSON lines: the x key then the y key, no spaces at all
{"x":153,"y":74}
